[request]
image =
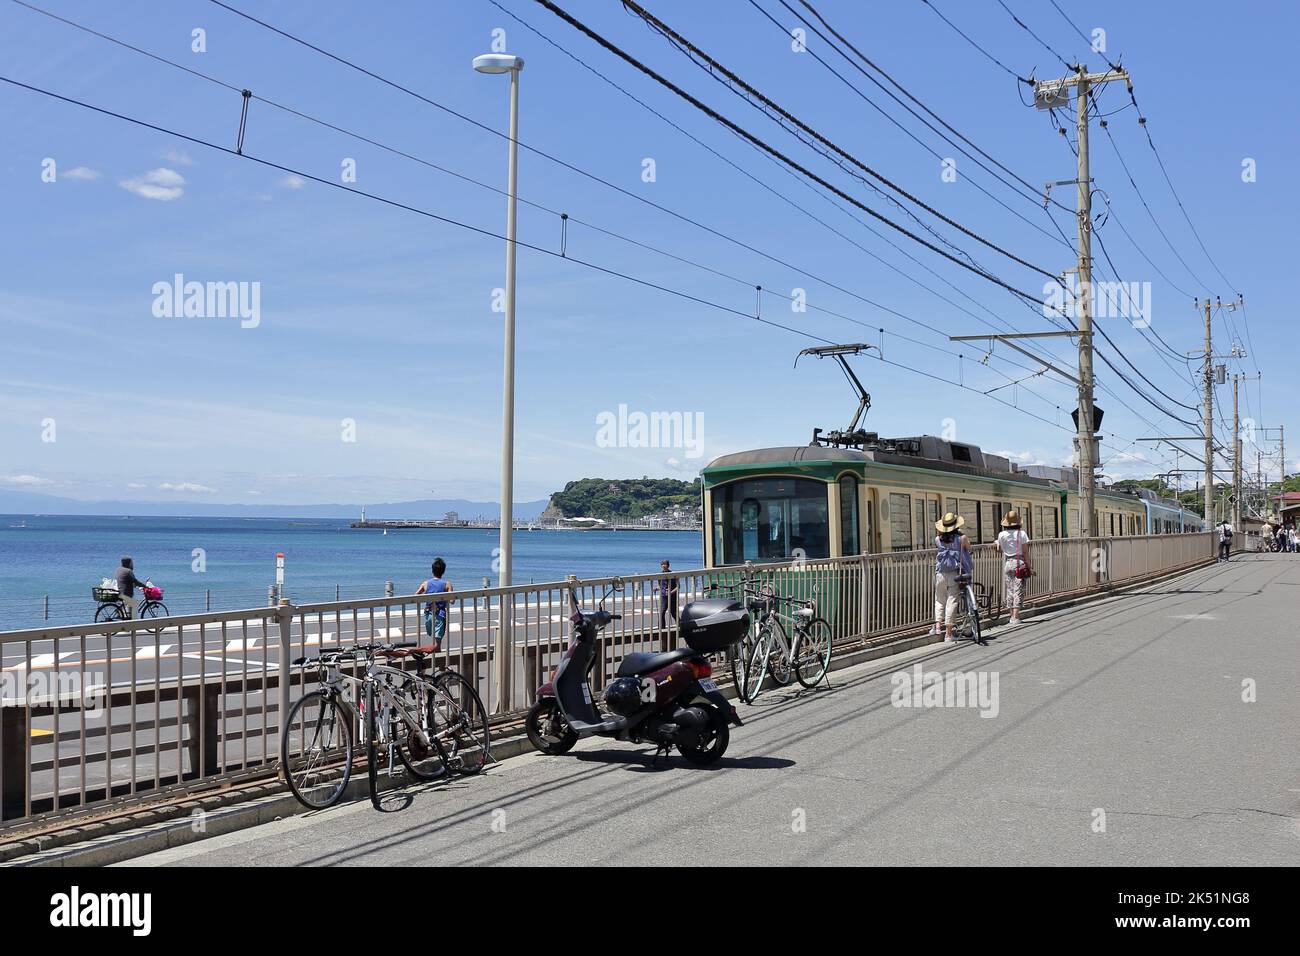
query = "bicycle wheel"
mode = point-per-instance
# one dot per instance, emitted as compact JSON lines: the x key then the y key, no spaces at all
{"x":756,"y":671}
{"x":973,"y":617}
{"x":814,"y":653}
{"x":109,"y":612}
{"x":418,"y":747}
{"x":779,"y":666}
{"x":316,"y":759}
{"x":154,"y":609}
{"x":462,"y":723}
{"x":738,"y":660}
{"x":372,"y":743}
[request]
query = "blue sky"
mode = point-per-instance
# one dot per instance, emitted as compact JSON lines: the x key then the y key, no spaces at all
{"x":384,"y":318}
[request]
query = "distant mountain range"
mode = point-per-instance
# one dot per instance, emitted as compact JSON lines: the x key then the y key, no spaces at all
{"x":29,"y":503}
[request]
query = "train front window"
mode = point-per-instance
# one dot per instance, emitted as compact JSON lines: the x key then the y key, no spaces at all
{"x":770,"y":519}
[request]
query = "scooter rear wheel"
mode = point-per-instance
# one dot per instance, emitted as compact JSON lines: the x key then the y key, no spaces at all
{"x":710,"y":749}
{"x":547,"y":729}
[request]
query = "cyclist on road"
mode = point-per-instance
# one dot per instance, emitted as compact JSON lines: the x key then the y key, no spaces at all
{"x":127,"y":582}
{"x":435,"y":612}
{"x":953,"y":558}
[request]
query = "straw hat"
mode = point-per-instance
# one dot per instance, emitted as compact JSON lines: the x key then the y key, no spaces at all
{"x":1011,"y":519}
{"x":949,"y":522}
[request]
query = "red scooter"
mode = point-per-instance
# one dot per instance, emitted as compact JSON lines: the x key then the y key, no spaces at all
{"x":667,"y":699}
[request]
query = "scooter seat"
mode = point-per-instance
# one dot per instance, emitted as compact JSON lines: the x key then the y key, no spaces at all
{"x":639,"y":663}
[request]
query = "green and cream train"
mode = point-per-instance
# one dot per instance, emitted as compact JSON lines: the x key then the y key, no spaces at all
{"x":826,"y":501}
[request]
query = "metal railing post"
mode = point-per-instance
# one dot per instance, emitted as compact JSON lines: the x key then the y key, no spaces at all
{"x":284,"y":616}
{"x":504,"y":643}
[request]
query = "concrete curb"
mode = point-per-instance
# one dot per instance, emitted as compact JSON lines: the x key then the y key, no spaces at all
{"x":105,"y":842}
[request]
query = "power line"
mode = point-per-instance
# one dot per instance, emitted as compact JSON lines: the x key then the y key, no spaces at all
{"x":197,"y":141}
{"x":981,"y":49}
{"x":714,"y":65}
{"x":1032,"y":197}
{"x":539,"y":206}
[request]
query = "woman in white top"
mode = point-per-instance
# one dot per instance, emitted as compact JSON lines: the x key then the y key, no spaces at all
{"x":1013,"y":543}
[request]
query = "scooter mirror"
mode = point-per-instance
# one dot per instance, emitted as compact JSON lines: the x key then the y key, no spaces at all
{"x":618,"y":584}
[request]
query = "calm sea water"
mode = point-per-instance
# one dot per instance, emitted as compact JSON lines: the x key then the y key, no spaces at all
{"x":64,"y":556}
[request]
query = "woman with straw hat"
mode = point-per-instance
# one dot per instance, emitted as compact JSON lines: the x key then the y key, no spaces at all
{"x":1013,"y":543}
{"x":953,"y":557}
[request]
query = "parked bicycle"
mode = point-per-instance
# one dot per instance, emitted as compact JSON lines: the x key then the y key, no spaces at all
{"x":432,"y":723}
{"x":804,"y":655}
{"x":112,"y":606}
{"x":973,"y":597}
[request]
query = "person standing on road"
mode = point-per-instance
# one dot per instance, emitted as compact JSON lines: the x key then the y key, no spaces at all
{"x":1225,"y":539}
{"x":1292,"y":539}
{"x":127,"y":582}
{"x":667,"y":589}
{"x":1013,"y":543}
{"x":952,"y":558}
{"x":435,"y":612}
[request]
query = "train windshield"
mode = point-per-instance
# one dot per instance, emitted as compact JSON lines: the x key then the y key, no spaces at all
{"x":770,"y":519}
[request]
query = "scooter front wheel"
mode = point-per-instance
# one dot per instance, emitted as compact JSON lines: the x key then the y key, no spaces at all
{"x":547,"y":729}
{"x":712,"y":742}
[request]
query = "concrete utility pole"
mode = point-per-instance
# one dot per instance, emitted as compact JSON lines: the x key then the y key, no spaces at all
{"x":1052,"y":94}
{"x":1208,"y":418}
{"x":1236,"y":456}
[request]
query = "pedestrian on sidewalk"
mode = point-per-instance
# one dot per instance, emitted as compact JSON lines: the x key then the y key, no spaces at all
{"x":667,"y":588}
{"x":1225,"y":539}
{"x":435,"y":612}
{"x":1013,"y":543}
{"x":952,"y":558}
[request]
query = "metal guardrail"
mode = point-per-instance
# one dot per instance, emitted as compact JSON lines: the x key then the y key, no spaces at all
{"x":97,"y":714}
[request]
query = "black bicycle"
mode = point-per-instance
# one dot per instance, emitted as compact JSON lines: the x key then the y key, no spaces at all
{"x":112,"y":607}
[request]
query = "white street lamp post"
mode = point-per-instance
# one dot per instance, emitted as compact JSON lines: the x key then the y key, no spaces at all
{"x":504,"y":63}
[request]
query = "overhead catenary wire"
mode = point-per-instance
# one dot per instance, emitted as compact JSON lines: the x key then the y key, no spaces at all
{"x":396,"y":204}
{"x":758,"y":142}
{"x":434,"y":215}
{"x":750,"y":91}
{"x":565,"y":217}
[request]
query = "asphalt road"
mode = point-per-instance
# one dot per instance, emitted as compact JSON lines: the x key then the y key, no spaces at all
{"x":1130,"y":707}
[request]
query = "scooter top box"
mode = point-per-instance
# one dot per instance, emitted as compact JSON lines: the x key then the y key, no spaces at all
{"x":713,"y":624}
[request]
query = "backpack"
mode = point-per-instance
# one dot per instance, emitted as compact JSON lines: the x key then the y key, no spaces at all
{"x":949,"y":558}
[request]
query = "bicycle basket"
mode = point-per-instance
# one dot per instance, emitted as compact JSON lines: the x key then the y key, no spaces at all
{"x":153,"y":594}
{"x":104,"y":595}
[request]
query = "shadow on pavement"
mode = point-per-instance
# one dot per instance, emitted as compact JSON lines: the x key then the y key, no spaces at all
{"x":642,"y":761}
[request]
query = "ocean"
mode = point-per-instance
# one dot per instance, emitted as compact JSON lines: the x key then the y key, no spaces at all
{"x":231,"y":561}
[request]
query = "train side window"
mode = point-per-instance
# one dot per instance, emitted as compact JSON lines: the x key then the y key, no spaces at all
{"x":969,"y":509}
{"x":849,"y":515}
{"x":900,"y":522}
{"x":1074,"y":523}
{"x":988,"y":525}
{"x":950,"y":505}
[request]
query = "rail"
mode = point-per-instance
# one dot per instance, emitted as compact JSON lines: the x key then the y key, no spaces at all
{"x":94,"y":715}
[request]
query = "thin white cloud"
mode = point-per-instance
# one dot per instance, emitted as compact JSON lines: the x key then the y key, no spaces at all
{"x":83,"y":173}
{"x":136,"y":484}
{"x":26,"y":481}
{"x":293,"y":182}
{"x":179,"y":157}
{"x":187,"y":486}
{"x":162,"y":184}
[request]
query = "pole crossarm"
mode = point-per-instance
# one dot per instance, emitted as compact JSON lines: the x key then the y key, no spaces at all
{"x":1007,"y":340}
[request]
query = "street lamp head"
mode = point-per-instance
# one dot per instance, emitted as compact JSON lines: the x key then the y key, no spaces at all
{"x":498,"y":63}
